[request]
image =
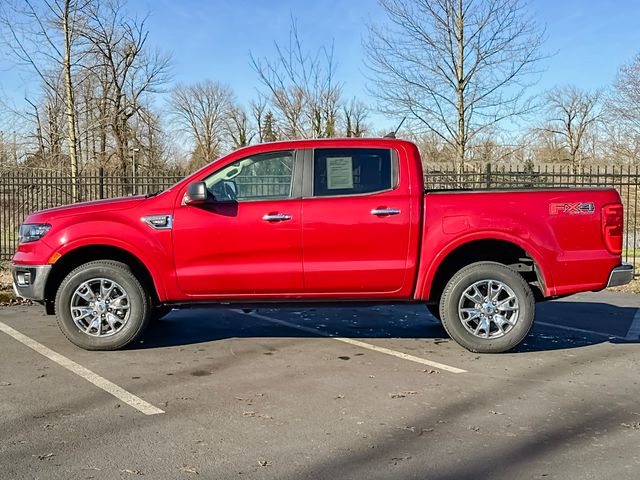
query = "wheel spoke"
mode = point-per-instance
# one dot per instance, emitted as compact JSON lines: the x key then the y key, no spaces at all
{"x":495,"y":295}
{"x":501,"y":321}
{"x":473,"y":313}
{"x":478,"y":328}
{"x":501,"y":303}
{"x":476,"y":297}
{"x":87,"y":294}
{"x":84,"y":312}
{"x":112,"y":320}
{"x":105,"y":292}
{"x":96,"y":322}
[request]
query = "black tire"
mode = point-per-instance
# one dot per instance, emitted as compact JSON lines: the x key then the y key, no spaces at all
{"x":138,"y":305}
{"x":498,"y":338}
{"x":434,"y":309}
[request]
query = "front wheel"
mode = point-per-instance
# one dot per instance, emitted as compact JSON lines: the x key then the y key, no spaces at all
{"x":101,"y":305}
{"x":487,"y":307}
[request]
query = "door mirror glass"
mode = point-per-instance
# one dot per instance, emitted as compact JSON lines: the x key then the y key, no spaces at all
{"x":196,"y":194}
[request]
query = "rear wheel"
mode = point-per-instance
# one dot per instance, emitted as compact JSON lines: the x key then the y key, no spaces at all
{"x":487,"y":307}
{"x":101,"y":305}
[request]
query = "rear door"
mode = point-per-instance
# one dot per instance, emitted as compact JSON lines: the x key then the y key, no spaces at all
{"x":356,"y":222}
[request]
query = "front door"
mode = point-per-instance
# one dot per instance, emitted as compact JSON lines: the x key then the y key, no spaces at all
{"x":246,"y":241}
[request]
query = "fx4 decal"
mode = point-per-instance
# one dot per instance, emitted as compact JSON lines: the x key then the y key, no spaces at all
{"x":572,"y":208}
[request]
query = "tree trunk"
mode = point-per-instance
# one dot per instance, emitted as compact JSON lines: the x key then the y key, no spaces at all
{"x":71,"y":120}
{"x":461,"y":141}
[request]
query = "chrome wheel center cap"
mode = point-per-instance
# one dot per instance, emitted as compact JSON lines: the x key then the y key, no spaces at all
{"x":488,"y":308}
{"x":101,"y":306}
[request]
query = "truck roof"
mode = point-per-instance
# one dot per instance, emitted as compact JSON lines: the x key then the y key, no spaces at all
{"x":329,"y":142}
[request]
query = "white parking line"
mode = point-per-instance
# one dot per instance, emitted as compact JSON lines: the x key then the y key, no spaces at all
{"x":634,"y":329}
{"x":358,"y":343}
{"x":100,"y":382}
{"x":579,"y":330}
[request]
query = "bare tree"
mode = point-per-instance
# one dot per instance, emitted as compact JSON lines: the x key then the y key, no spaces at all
{"x":128,"y":68}
{"x":355,"y":118}
{"x":623,"y":112}
{"x":266,"y":126}
{"x":44,"y":36}
{"x":238,"y":128}
{"x":201,"y":110}
{"x":303,"y":94}
{"x":571,"y":115}
{"x":455,"y":67}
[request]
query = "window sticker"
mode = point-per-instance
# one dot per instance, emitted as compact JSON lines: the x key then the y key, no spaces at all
{"x":339,"y":173}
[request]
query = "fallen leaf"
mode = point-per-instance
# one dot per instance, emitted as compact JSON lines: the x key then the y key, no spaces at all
{"x":633,"y":426}
{"x":402,"y":394}
{"x":188,"y":469}
{"x":411,"y":429}
{"x":45,"y":456}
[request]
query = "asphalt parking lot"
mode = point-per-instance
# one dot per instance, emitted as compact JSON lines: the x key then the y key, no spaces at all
{"x":270,"y":394}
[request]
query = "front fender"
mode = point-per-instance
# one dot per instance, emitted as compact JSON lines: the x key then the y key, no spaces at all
{"x":150,"y":249}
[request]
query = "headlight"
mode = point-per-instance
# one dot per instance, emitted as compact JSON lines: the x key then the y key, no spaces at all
{"x":30,"y":232}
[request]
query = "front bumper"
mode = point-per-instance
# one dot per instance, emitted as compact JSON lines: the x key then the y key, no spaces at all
{"x":29,"y":281}
{"x":621,"y":275}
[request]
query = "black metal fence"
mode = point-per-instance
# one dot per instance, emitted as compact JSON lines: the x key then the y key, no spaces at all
{"x":24,"y":192}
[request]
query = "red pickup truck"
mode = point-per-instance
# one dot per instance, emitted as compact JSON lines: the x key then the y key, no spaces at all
{"x":341,"y":220}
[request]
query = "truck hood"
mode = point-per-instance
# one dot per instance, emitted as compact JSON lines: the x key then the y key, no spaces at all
{"x":84,"y":208}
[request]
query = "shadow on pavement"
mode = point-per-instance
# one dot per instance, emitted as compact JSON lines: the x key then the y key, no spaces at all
{"x":607,"y":323}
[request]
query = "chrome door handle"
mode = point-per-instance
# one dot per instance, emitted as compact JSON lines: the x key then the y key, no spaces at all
{"x":385,"y":211}
{"x":276,"y":217}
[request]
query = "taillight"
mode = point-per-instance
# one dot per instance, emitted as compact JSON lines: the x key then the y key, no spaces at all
{"x":612,"y":223}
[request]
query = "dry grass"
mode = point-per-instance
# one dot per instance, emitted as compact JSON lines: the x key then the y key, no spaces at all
{"x":5,"y":276}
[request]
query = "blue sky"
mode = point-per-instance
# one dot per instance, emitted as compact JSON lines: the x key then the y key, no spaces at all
{"x":212,"y":39}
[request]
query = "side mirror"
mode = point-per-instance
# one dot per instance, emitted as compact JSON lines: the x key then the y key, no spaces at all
{"x":196,"y":194}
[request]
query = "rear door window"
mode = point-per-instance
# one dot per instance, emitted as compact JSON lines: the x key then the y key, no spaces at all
{"x":352,"y":171}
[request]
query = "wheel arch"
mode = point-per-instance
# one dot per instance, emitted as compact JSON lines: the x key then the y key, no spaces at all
{"x":505,"y":251}
{"x":87,"y":253}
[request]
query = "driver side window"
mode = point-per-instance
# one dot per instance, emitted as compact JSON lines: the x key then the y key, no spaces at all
{"x":267,"y":176}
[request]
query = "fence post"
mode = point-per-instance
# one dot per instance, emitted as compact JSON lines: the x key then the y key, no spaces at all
{"x":488,"y":176}
{"x":101,"y":181}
